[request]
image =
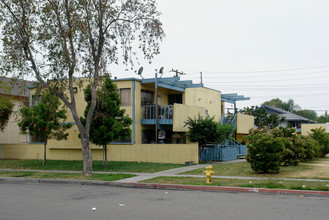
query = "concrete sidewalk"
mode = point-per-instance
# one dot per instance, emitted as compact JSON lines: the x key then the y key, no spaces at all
{"x":170,"y":173}
{"x":134,"y":182}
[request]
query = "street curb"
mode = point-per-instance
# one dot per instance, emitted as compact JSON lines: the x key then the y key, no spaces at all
{"x":166,"y":186}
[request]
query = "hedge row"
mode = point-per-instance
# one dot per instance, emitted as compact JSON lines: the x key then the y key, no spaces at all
{"x":269,"y":149}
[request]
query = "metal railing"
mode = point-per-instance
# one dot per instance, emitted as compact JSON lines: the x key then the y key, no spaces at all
{"x":164,"y":111}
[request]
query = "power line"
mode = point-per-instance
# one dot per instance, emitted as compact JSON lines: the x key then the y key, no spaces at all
{"x":266,"y":76}
{"x":279,"y":80}
{"x":272,"y":70}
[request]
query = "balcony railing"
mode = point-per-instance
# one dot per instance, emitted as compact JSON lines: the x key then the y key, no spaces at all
{"x":165,"y":114}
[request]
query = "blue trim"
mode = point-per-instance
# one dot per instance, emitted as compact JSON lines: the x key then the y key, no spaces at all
{"x":167,"y":79}
{"x":185,"y":82}
{"x":29,"y":96}
{"x":229,"y":95}
{"x":160,"y":121}
{"x":121,"y":143}
{"x":194,"y":85}
{"x":65,"y":123}
{"x":133,"y":111}
{"x":168,"y":86}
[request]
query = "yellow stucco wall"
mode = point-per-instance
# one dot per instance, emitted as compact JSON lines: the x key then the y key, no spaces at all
{"x":306,"y":128}
{"x":73,"y":141}
{"x":70,"y":149}
{"x":241,"y":138}
{"x":182,"y":112}
{"x":156,"y":153}
{"x":204,"y":97}
{"x":11,"y":134}
{"x":244,"y":123}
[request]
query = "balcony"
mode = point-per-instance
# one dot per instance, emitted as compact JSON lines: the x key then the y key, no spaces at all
{"x":165,"y":114}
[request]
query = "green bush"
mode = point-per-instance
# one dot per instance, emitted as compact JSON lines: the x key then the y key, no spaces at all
{"x":322,"y":137}
{"x":294,"y":150}
{"x":311,"y":147}
{"x":264,"y":151}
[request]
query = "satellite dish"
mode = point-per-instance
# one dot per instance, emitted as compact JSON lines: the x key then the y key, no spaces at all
{"x":140,"y":71}
{"x":161,"y":72}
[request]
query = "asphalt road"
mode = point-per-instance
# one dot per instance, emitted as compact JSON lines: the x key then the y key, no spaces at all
{"x":55,"y":201}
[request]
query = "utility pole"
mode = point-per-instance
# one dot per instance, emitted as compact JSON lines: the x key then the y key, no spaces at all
{"x":177,"y":72}
{"x":201,"y":76}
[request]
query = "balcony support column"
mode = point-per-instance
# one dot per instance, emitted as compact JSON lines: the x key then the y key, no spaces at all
{"x":156,"y":107}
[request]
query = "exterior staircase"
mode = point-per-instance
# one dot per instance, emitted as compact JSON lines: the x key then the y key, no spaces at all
{"x":229,"y":150}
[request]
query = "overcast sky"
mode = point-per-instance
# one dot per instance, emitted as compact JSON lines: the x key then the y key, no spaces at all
{"x":261,"y":49}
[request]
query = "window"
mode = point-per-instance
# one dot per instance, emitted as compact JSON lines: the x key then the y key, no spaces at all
{"x":125,"y":96}
{"x":147,"y":97}
{"x":36,"y":139}
{"x":175,"y":98}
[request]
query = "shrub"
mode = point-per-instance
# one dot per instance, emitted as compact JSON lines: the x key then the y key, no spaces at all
{"x":311,"y":147}
{"x":294,"y":150}
{"x":322,"y":137}
{"x":292,"y":153}
{"x":264,"y":151}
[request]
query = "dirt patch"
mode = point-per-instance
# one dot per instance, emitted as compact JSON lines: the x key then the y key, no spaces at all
{"x":317,"y":170}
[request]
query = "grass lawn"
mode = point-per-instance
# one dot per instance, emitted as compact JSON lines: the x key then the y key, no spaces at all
{"x":76,"y":176}
{"x":317,"y":169}
{"x":254,"y":183}
{"x":77,"y":166}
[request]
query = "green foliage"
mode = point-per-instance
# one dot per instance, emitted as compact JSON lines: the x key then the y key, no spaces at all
{"x":225,"y":132}
{"x":323,"y":118}
{"x":264,"y":151}
{"x":310,"y":114}
{"x":206,"y":130}
{"x":6,"y":108}
{"x":293,"y":152}
{"x":290,"y":106}
{"x":322,"y":137}
{"x":296,"y":148}
{"x":287,"y":106}
{"x":44,"y":119}
{"x":262,"y":118}
{"x":311,"y":147}
{"x":109,"y":122}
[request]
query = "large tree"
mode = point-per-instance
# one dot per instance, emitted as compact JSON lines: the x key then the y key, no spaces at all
{"x":262,"y":118}
{"x":55,"y":41}
{"x":323,"y":118}
{"x":109,"y":122}
{"x":289,"y":106}
{"x":306,"y":113}
{"x":45,"y":120}
{"x":207,"y":131}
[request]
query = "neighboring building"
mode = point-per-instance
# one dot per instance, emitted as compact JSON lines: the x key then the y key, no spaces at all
{"x":177,"y":100}
{"x":306,"y":128}
{"x":291,"y":119}
{"x":18,"y":93}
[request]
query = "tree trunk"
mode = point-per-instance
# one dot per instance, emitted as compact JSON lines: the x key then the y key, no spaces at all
{"x":86,"y":154}
{"x":105,"y":152}
{"x":44,"y":153}
{"x":201,"y":148}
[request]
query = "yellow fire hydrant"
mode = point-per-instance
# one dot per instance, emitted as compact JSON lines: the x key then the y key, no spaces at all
{"x":208,"y":173}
